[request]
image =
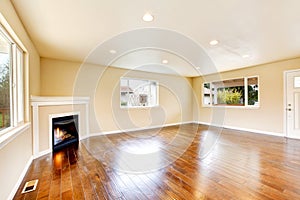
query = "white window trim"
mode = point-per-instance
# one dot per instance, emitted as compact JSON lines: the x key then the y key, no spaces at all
{"x":246,"y":106}
{"x":16,"y":125}
{"x":140,"y":107}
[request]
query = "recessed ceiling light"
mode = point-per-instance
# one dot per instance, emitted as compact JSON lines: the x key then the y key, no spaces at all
{"x":165,"y":61}
{"x":148,"y":17}
{"x":214,"y":42}
{"x":198,"y":68}
{"x":112,"y":51}
{"x":245,"y":56}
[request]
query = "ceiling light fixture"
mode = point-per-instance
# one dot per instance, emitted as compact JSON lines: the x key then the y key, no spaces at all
{"x":148,"y":17}
{"x":112,"y":51}
{"x":214,"y":42}
{"x":245,"y":56}
{"x":165,"y":61}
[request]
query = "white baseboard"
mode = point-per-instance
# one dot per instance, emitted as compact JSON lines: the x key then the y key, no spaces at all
{"x":84,"y":137}
{"x":293,"y":137}
{"x":243,"y":129}
{"x":42,"y":153}
{"x":22,"y":176}
{"x":138,"y":129}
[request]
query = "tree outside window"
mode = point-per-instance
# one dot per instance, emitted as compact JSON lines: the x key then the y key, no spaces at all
{"x":4,"y":83}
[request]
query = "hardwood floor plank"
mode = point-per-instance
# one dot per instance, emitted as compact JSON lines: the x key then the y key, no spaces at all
{"x":77,"y":186}
{"x":241,"y":165}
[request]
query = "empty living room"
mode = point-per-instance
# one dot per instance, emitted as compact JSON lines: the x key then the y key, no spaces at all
{"x":139,"y":99}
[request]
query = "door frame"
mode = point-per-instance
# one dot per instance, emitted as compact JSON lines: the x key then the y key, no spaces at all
{"x":285,"y":132}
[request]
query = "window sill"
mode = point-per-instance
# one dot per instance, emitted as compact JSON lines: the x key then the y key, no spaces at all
{"x":139,"y":107}
{"x":234,"y":107}
{"x":11,"y":133}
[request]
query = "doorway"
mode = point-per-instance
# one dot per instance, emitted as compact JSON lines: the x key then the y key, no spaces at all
{"x":292,"y":104}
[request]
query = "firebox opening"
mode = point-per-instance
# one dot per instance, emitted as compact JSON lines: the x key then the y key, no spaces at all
{"x":64,"y":131}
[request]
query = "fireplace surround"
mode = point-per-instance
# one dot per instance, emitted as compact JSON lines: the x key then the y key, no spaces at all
{"x":46,"y":108}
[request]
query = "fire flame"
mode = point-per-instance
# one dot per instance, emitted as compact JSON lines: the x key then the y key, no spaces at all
{"x":58,"y":134}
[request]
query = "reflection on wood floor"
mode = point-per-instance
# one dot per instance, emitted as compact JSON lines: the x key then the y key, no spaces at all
{"x":169,"y":163}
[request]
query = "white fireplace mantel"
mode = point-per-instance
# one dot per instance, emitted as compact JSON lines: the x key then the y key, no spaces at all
{"x":39,"y":101}
{"x":58,"y":100}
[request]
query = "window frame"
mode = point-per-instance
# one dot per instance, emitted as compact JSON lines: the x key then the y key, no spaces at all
{"x":246,"y":100}
{"x":140,"y":79}
{"x":17,"y":82}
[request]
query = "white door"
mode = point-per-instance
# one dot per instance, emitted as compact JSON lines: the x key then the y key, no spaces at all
{"x":292,"y":104}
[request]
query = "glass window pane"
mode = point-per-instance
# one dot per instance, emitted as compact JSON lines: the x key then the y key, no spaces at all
{"x":253,"y":91}
{"x":296,"y":82}
{"x":206,"y":94}
{"x":229,"y":92}
{"x":124,"y":92}
{"x":133,"y":96}
{"x":153,"y":94}
{"x":136,"y":93}
{"x":5,"y":83}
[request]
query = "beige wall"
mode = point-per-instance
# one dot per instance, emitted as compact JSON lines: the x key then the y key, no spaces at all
{"x":176,"y":98}
{"x":175,"y":102}
{"x":15,"y":155}
{"x":102,"y":86}
{"x":57,"y":77}
{"x":269,"y":116}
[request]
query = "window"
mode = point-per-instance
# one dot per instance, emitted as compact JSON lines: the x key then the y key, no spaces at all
{"x":138,"y":93}
{"x":11,"y":83}
{"x":5,"y":83}
{"x":296,"y":82}
{"x":232,"y":92}
{"x":253,"y":91}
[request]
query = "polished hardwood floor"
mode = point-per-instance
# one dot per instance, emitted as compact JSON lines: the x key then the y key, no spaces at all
{"x":179,"y":162}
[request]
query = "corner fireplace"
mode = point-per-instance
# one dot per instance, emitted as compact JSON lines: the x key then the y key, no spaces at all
{"x":64,"y":131}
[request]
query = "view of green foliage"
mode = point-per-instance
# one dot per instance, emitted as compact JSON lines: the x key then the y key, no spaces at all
{"x":229,"y":96}
{"x":4,"y":83}
{"x":123,"y":103}
{"x":252,"y":94}
{"x":4,"y":93}
{"x":1,"y":121}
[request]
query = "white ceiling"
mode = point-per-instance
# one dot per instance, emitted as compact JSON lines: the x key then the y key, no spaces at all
{"x":265,"y":30}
